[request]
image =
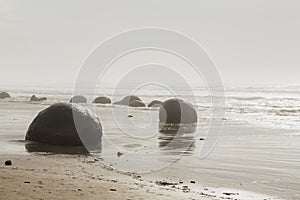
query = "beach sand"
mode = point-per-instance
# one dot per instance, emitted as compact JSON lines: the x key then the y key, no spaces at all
{"x":67,"y":177}
{"x":257,"y":163}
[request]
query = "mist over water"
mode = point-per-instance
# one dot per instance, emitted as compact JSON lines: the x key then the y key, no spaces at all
{"x":273,"y":107}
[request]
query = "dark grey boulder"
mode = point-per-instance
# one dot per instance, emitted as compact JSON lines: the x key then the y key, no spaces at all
{"x":137,"y":103}
{"x":55,"y":126}
{"x":102,"y":100}
{"x":34,"y":98}
{"x":154,"y":103}
{"x":78,"y":99}
{"x":177,"y":111}
{"x":42,"y":99}
{"x":4,"y":95}
{"x":127,"y":100}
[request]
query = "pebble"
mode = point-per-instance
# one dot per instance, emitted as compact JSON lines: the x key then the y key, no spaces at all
{"x":119,"y":154}
{"x":8,"y":163}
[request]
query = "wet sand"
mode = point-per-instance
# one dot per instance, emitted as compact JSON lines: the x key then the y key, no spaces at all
{"x":255,"y":162}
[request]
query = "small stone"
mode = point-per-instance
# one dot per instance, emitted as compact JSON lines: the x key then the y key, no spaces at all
{"x":230,"y":193}
{"x":8,"y":163}
{"x":119,"y":154}
{"x":193,"y":182}
{"x":113,"y":190}
{"x":27,"y":182}
{"x":201,"y":139}
{"x":130,"y":116}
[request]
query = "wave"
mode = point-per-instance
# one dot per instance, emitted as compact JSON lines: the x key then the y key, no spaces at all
{"x":284,"y":112}
{"x":247,"y":98}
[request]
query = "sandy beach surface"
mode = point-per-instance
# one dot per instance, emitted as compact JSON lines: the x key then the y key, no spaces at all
{"x":70,"y":177}
{"x":248,"y":162}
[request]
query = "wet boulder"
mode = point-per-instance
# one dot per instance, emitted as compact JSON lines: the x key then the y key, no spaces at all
{"x":78,"y":99}
{"x":42,"y":99}
{"x":4,"y":95}
{"x":137,"y":103}
{"x":34,"y":98}
{"x":127,"y":100}
{"x":102,"y":100}
{"x":177,"y":111}
{"x":56,"y":126}
{"x":154,"y":103}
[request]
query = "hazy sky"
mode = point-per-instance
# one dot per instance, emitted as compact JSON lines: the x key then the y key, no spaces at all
{"x":252,"y":42}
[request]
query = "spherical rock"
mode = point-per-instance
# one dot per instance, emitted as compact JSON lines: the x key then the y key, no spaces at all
{"x":78,"y":99}
{"x":56,"y":126}
{"x":137,"y":103}
{"x":42,"y":99}
{"x":177,"y":111}
{"x":34,"y":98}
{"x":127,"y":100}
{"x":4,"y":95}
{"x":102,"y":100}
{"x":154,"y":103}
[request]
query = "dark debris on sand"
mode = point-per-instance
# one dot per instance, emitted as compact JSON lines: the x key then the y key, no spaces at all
{"x":8,"y":163}
{"x":164,"y":183}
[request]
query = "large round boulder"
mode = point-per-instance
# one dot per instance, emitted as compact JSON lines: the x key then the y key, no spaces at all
{"x":154,"y":103}
{"x":56,"y":126}
{"x":34,"y":98}
{"x":127,"y":100}
{"x":102,"y":100}
{"x":4,"y":95}
{"x":177,"y":111}
{"x":78,"y":99}
{"x":137,"y":103}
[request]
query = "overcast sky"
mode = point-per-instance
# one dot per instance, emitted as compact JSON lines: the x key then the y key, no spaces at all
{"x":253,"y":42}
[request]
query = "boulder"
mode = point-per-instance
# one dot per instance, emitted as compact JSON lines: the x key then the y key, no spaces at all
{"x":127,"y":100}
{"x":78,"y":99}
{"x":55,"y":126}
{"x":177,"y":111}
{"x":102,"y":100}
{"x":154,"y":103}
{"x":137,"y":103}
{"x":42,"y":99}
{"x":4,"y":95}
{"x":34,"y":98}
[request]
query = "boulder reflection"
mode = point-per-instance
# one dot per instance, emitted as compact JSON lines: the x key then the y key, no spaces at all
{"x":35,"y":147}
{"x":177,"y":138}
